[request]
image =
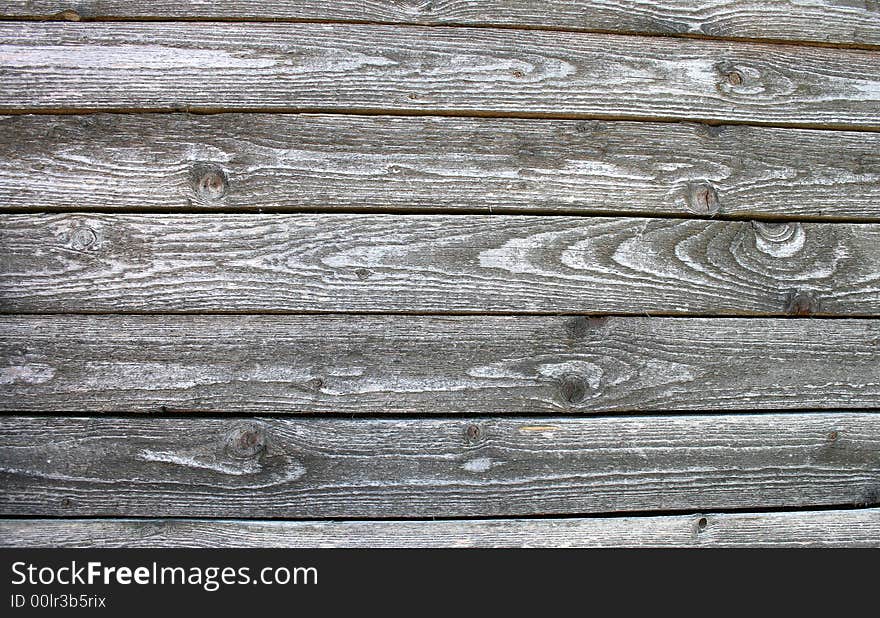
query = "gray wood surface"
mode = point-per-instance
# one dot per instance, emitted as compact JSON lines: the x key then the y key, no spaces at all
{"x":370,"y":468}
{"x":346,"y":163}
{"x":472,"y":263}
{"x":367,"y":68}
{"x":454,"y":365}
{"x":833,"y":528}
{"x":836,"y":21}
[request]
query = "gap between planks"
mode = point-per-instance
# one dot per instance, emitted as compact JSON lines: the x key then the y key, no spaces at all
{"x":439,"y":113}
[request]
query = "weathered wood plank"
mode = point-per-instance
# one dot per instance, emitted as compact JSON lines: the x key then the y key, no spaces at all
{"x":833,"y":528}
{"x":479,"y":263}
{"x":361,"y":68}
{"x":316,"y":468}
{"x":299,"y":162}
{"x":841,"y":21}
{"x":409,"y":364}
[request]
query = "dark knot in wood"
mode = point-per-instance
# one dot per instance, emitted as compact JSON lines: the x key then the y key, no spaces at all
{"x":473,"y":433}
{"x":246,"y":440}
{"x":735,"y":78}
{"x":573,"y":389}
{"x":702,"y":198}
{"x":578,"y":327}
{"x":209,"y":181}
{"x":801,"y":303}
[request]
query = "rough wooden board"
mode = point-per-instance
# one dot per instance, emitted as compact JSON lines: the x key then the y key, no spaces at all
{"x":453,"y":365}
{"x":305,"y":162}
{"x":362,"y":68}
{"x":841,"y":21}
{"x":480,"y":263}
{"x":317,"y":468}
{"x":833,"y":528}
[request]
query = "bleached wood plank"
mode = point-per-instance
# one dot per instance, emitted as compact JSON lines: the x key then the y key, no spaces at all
{"x":454,"y":365}
{"x":384,"y":263}
{"x":833,"y":528}
{"x":365,"y":68}
{"x":368,"y":468}
{"x":841,"y":22}
{"x":345,"y":163}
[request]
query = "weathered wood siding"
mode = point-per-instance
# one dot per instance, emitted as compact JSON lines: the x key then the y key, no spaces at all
{"x":271,"y":162}
{"x":596,"y":273}
{"x":433,"y":365}
{"x":366,"y":68}
{"x":829,"y":21}
{"x":425,"y":263}
{"x":311,"y":468}
{"x":831,"y":528}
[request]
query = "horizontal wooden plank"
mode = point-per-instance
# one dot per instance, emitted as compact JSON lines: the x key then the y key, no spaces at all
{"x":365,"y":68}
{"x":409,"y":364}
{"x":841,"y":21}
{"x":311,"y":162}
{"x":316,"y":468}
{"x":479,"y":263}
{"x":833,"y":528}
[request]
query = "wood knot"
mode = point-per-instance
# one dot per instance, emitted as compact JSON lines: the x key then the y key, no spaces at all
{"x":712,"y":130}
{"x":315,"y":384}
{"x":363,"y":273}
{"x":518,"y":74}
{"x":779,"y":239}
{"x":209,"y":181}
{"x":420,"y":6}
{"x":801,"y":303}
{"x":473,"y":433}
{"x":730,"y":76}
{"x":702,"y":524}
{"x":83,"y":238}
{"x":701,"y":198}
{"x":246,"y":440}
{"x":572,"y":389}
{"x":577,"y":328}
{"x":66,"y":503}
{"x":833,"y":435}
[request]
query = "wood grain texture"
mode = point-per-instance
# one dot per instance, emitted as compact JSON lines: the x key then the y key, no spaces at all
{"x":362,"y":68}
{"x":318,"y":468}
{"x":833,"y":528}
{"x":842,"y":21}
{"x":454,"y":365}
{"x":348,"y":163}
{"x":421,"y":263}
